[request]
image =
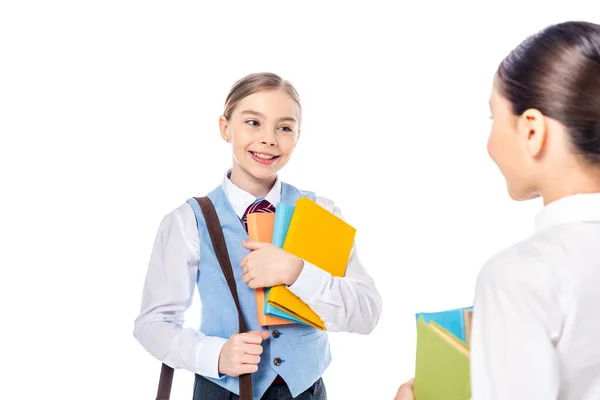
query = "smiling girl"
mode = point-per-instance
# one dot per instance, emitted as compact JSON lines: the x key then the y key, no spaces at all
{"x":261,"y":122}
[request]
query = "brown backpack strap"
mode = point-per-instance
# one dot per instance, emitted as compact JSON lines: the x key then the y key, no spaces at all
{"x":165,"y":382}
{"x":218,"y":241}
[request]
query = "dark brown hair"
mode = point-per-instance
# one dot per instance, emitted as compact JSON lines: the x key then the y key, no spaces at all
{"x":254,"y":83}
{"x":557,"y":71}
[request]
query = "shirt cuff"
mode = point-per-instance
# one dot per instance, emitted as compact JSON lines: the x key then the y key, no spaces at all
{"x":310,"y":283}
{"x":208,"y":352}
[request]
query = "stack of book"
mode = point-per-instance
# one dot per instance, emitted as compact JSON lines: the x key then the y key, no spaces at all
{"x":311,"y":233}
{"x":442,"y":362}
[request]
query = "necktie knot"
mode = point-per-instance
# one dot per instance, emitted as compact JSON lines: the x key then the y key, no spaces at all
{"x":259,"y":206}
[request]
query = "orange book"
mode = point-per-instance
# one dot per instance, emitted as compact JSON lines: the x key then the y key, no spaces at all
{"x":468,"y":322}
{"x":260,"y":229}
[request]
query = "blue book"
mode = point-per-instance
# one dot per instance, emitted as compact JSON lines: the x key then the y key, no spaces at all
{"x":283,"y":217}
{"x":456,"y":321}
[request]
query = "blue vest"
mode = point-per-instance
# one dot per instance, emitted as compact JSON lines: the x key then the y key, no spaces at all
{"x":302,"y":352}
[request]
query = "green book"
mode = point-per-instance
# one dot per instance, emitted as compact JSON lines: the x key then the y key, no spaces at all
{"x":442,"y":364}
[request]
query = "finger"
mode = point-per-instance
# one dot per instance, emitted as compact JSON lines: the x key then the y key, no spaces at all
{"x":252,"y":337}
{"x":265,"y":335}
{"x":247,"y":369}
{"x":244,"y":261}
{"x":250,"y":359}
{"x":252,"y":349}
{"x":247,"y":278}
{"x":254,"y":245}
{"x":244,"y":270}
{"x":252,"y":282}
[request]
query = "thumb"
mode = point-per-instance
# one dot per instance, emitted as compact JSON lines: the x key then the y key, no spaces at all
{"x":262,"y":334}
{"x":254,"y":245}
{"x":265,"y":335}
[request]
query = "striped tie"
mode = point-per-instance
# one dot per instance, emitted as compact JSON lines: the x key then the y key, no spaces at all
{"x":259,"y":206}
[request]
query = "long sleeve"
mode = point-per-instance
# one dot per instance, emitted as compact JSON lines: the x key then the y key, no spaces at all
{"x":168,"y":292}
{"x":349,"y":304}
{"x":515,"y":323}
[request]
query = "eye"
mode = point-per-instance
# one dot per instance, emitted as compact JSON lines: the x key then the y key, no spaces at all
{"x":252,"y":122}
{"x":286,"y":129}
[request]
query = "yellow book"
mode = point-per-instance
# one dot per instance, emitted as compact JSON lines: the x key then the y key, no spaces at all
{"x":320,"y":238}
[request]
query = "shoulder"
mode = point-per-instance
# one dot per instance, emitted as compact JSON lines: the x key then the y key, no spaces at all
{"x":328,"y":204}
{"x":185,"y":212}
{"x":180,"y":219}
{"x":324,"y":202}
{"x":523,"y":281}
{"x":522,"y":267}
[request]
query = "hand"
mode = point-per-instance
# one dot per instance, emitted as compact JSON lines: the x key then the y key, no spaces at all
{"x":241,"y":353}
{"x":268,"y":265}
{"x":405,"y":392}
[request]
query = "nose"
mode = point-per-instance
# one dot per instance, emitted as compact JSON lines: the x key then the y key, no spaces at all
{"x":268,"y":137}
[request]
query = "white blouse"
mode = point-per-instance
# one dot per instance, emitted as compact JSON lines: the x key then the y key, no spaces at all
{"x":350,"y":304}
{"x":536,"y":324}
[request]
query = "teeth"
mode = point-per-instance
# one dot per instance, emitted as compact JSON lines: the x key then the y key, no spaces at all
{"x":263,"y":156}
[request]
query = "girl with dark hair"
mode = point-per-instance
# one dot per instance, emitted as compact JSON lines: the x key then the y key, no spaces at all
{"x":536,"y":320}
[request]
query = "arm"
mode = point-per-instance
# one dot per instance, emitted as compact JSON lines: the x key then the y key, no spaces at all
{"x":168,"y":293}
{"x":351,"y":303}
{"x":515,"y":323}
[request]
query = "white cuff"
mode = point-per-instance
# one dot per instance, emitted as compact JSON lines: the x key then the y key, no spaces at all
{"x":310,"y":283}
{"x":208,"y":351}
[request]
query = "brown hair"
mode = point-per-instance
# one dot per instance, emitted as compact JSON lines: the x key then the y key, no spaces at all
{"x":257,"y":82}
{"x":557,"y":71}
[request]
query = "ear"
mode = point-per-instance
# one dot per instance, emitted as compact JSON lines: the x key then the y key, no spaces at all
{"x":224,"y":128}
{"x":533,"y":129}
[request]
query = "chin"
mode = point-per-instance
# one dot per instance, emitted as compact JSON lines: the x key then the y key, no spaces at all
{"x":263,"y":176}
{"x":261,"y":173}
{"x":522,"y":195}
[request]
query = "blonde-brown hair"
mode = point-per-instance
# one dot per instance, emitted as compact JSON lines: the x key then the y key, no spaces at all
{"x":254,"y":83}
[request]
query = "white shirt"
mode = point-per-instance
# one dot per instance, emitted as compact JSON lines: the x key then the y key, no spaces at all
{"x":350,"y":304}
{"x":536,"y":324}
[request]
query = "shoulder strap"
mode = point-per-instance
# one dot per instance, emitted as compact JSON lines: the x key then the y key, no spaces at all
{"x":165,"y":382}
{"x":218,"y":241}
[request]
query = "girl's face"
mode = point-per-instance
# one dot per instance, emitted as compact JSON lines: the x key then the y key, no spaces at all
{"x":514,"y":144}
{"x":263,"y":130}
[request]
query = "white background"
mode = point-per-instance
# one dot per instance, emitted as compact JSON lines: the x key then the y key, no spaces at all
{"x":108,"y":121}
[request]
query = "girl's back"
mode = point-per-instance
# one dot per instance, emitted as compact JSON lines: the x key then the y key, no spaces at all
{"x":537,"y":309}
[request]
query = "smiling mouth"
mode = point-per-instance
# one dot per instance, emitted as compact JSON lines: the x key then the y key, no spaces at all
{"x":263,"y":157}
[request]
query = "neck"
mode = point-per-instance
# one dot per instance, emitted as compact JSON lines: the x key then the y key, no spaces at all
{"x":245,"y":181}
{"x":572,"y":182}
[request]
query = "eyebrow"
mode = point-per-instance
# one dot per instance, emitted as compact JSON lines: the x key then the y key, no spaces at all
{"x":252,"y":112}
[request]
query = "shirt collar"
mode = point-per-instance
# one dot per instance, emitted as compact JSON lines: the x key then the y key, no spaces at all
{"x":575,"y":208}
{"x":240,"y":199}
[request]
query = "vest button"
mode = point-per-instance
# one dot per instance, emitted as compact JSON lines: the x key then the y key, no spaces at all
{"x":276,"y":334}
{"x":277,"y":361}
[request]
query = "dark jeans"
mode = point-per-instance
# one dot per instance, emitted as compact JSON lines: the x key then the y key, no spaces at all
{"x":207,"y":390}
